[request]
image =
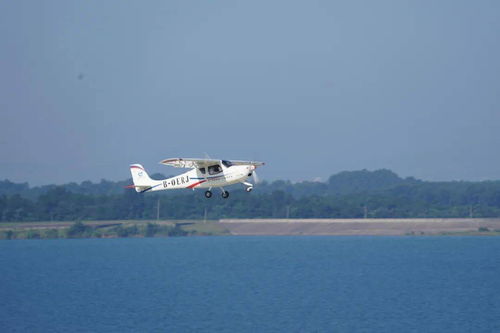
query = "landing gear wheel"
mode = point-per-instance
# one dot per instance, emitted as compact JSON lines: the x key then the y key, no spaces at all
{"x":249,"y":189}
{"x":225,"y":194}
{"x":208,"y":194}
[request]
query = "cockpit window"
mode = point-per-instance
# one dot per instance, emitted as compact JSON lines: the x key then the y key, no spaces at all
{"x":214,"y":169}
{"x":202,"y":170}
{"x":227,"y":164}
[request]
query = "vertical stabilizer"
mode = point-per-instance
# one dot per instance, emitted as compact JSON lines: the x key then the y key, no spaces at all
{"x":141,"y":178}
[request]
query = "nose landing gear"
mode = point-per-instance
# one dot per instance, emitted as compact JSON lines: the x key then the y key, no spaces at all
{"x":249,"y":186}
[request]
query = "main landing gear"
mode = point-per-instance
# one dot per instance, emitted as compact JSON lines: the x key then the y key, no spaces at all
{"x":225,"y":194}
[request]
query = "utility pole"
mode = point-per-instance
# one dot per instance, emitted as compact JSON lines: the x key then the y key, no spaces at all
{"x":366,"y":211}
{"x":205,"y":216}
{"x":158,"y":210}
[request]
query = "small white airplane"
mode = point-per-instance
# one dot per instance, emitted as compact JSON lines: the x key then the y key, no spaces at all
{"x":204,"y":173}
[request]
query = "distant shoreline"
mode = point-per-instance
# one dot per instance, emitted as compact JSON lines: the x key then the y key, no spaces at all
{"x":373,"y":227}
{"x":250,"y":227}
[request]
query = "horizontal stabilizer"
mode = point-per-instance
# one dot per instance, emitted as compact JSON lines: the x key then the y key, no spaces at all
{"x":140,"y":188}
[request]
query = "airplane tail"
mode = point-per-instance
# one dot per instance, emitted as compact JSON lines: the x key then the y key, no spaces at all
{"x":141,"y":179}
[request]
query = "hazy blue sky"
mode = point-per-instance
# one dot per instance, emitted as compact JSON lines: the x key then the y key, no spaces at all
{"x":310,"y":87}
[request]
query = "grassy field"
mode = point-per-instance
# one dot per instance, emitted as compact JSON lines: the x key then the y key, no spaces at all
{"x":205,"y":228}
{"x":110,"y":229}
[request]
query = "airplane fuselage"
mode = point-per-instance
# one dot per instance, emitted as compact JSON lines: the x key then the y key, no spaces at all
{"x":195,"y":178}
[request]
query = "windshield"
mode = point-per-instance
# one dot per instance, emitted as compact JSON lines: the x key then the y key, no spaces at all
{"x":227,"y":164}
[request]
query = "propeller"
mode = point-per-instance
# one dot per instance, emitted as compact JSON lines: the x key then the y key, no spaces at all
{"x":256,"y":178}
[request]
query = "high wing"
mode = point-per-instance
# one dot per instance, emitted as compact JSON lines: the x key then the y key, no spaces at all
{"x":189,"y":162}
{"x":254,"y":163}
{"x":202,"y":162}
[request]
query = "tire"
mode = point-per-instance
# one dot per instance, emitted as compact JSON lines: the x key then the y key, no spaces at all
{"x":208,"y":194}
{"x":225,"y":194}
{"x":249,"y":189}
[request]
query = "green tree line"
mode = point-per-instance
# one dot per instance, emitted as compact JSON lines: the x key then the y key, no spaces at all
{"x":354,"y":194}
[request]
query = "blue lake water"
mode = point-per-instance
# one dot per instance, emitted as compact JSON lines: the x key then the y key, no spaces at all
{"x":251,"y":284}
